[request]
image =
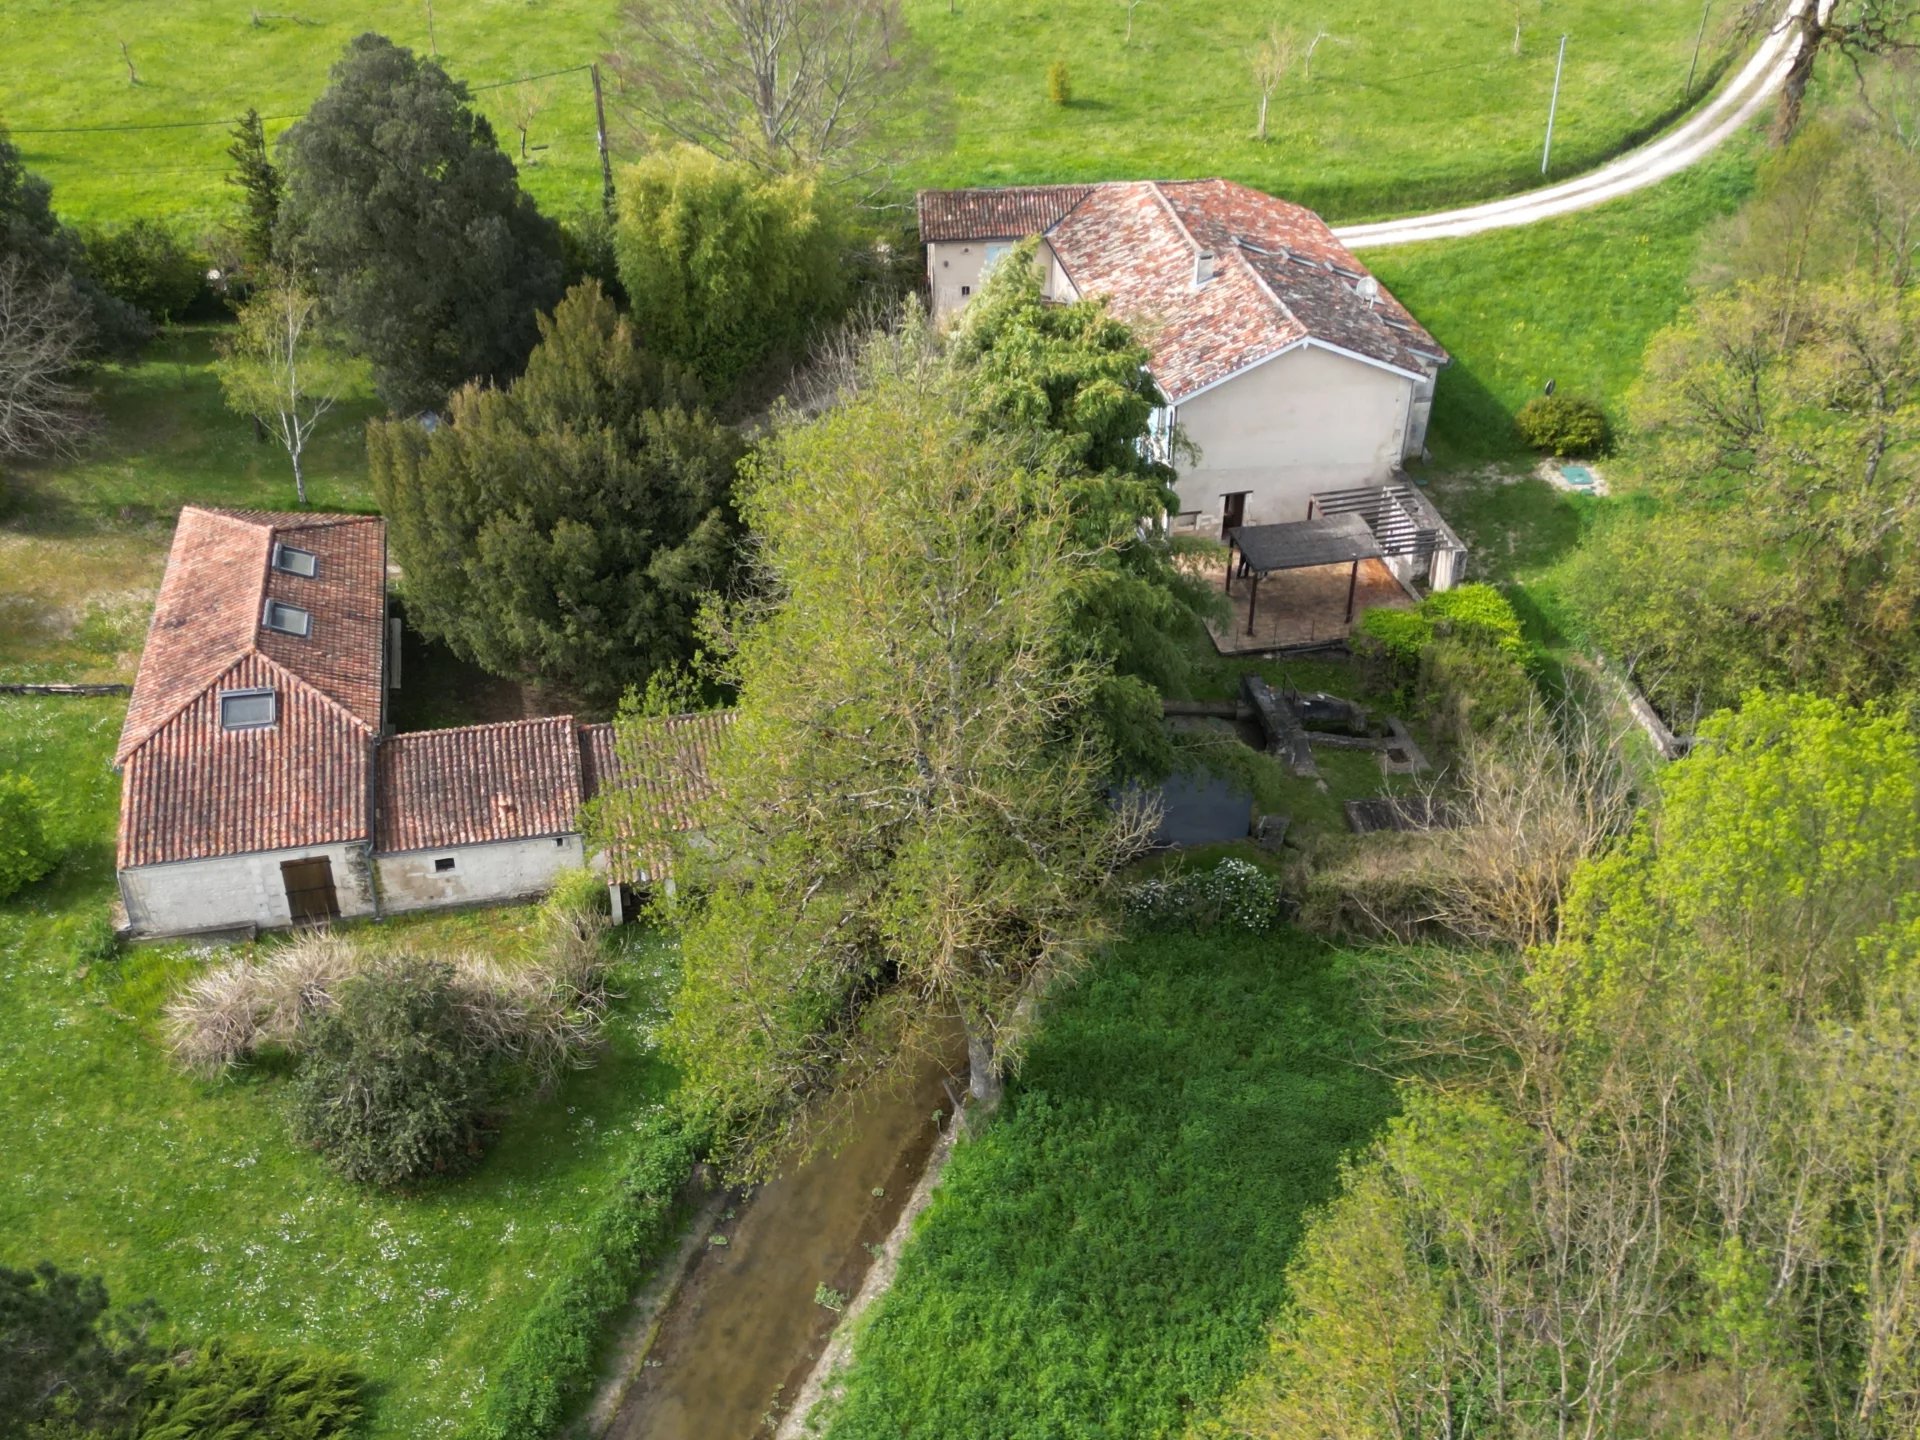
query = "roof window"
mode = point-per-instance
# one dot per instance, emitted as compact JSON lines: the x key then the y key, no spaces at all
{"x":247,"y":709}
{"x":287,"y":619}
{"x":295,"y":562}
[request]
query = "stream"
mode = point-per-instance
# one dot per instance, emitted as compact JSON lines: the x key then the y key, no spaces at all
{"x":743,"y":1330}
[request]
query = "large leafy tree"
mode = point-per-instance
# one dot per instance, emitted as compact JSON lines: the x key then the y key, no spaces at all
{"x":414,"y":228}
{"x":1074,"y":378}
{"x":725,"y":267}
{"x":1672,"y":1184}
{"x":567,"y":527}
{"x":911,"y":833}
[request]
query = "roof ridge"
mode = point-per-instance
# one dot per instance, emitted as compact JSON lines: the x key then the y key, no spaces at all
{"x":482,"y":725}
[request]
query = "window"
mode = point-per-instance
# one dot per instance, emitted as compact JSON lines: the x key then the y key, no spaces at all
{"x":295,"y":562}
{"x":287,"y":619}
{"x":966,"y":289}
{"x":995,"y":254}
{"x":246,"y":709}
{"x":443,"y":864}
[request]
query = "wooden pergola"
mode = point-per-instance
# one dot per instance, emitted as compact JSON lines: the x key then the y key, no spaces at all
{"x":1300,"y":545}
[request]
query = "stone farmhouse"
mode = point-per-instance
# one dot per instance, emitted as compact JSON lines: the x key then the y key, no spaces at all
{"x":261,"y":785}
{"x":1286,"y":365}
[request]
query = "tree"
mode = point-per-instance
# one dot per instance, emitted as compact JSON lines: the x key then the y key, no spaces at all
{"x":145,"y":265}
{"x":565,"y":528}
{"x":910,"y":832}
{"x":1070,"y":384}
{"x":1131,"y":6}
{"x":67,"y":1362}
{"x":778,"y":85}
{"x":259,"y":180}
{"x":228,"y":1390}
{"x":393,"y":1082}
{"x":49,"y":251}
{"x":279,"y":367}
{"x":1856,"y":30}
{"x":1273,"y":57}
{"x":409,"y":222}
{"x":725,"y":266}
{"x":45,"y":339}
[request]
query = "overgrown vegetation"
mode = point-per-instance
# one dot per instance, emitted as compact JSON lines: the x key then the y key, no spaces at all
{"x":1100,"y":1259}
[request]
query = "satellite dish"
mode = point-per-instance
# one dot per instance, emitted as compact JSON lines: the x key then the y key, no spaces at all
{"x":1549,"y":387}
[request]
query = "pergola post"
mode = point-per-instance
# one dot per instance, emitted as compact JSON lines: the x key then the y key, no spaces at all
{"x":1253,"y":599}
{"x":1228,"y":587}
{"x":1353,"y":584}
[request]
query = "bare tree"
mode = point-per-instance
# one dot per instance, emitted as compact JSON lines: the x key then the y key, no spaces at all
{"x":1132,"y":5}
{"x":524,"y":106}
{"x":1273,"y":57}
{"x":1521,"y":10}
{"x":44,"y":332}
{"x":279,"y":368}
{"x":1858,"y":30}
{"x":1306,"y":58}
{"x":779,"y":84}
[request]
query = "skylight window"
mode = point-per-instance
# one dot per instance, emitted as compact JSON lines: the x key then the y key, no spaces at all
{"x":287,"y":619}
{"x":247,"y":709}
{"x":295,"y":562}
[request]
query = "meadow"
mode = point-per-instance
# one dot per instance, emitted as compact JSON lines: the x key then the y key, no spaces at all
{"x":1408,"y":105}
{"x":1102,"y":1261}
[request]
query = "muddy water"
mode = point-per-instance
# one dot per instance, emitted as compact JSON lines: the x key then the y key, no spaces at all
{"x":742,"y":1333}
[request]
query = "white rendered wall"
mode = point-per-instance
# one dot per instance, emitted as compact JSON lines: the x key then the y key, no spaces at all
{"x":504,"y":871}
{"x":1307,"y":421}
{"x":235,"y":890}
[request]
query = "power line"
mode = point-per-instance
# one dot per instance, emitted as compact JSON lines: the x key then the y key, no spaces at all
{"x":233,"y":119}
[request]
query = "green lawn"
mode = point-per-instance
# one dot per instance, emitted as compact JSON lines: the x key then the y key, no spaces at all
{"x":1410,"y":106}
{"x":1104,"y":1259}
{"x":191,"y":1193}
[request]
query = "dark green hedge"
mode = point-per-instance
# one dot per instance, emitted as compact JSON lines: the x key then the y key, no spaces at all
{"x":551,"y":1365}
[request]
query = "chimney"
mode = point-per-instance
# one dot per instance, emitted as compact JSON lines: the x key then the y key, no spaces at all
{"x":1202,"y":268}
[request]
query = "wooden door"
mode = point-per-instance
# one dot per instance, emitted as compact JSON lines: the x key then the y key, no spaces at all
{"x":1233,"y":511}
{"x":309,"y":885}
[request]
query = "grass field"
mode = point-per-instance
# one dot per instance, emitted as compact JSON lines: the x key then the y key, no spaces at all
{"x":1103,"y":1260}
{"x":1410,"y":105}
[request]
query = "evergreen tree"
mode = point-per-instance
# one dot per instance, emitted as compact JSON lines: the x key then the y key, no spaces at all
{"x":413,"y":225}
{"x":564,"y":529}
{"x":256,"y":175}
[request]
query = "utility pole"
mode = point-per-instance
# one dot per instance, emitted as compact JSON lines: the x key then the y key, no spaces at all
{"x":1546,"y":151}
{"x":1694,"y":65}
{"x":433,"y":39}
{"x":600,"y":138}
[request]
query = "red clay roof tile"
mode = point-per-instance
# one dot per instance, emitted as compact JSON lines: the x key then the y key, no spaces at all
{"x":480,"y":783}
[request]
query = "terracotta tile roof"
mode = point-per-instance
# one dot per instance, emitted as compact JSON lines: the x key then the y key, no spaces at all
{"x":1008,"y":213}
{"x":662,"y":775}
{"x":208,"y":616}
{"x":1279,"y":278}
{"x":512,"y":781}
{"x":194,"y":791}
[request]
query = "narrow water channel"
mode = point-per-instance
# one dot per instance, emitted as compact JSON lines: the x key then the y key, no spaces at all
{"x":744,"y":1329}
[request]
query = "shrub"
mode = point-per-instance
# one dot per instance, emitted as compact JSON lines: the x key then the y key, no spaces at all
{"x":1387,"y":645}
{"x":1059,"y":84}
{"x":236,"y":1390}
{"x":226,"y":1013}
{"x":25,"y":851}
{"x":1562,"y":425}
{"x":1468,"y":687}
{"x":1234,"y":896}
{"x":394,"y":1081}
{"x":725,"y":266}
{"x":148,"y":266}
{"x":1478,"y":610}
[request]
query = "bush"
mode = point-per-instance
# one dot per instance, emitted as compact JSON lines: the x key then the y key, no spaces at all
{"x":724,"y":266}
{"x":551,"y":1363}
{"x":1477,"y":610}
{"x":148,"y":266}
{"x":236,"y":1390}
{"x":1468,"y":687}
{"x":1562,"y":425}
{"x":1235,"y":896}
{"x":394,"y":1081}
{"x":25,"y":851}
{"x":1059,"y":84}
{"x":1387,"y":645}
